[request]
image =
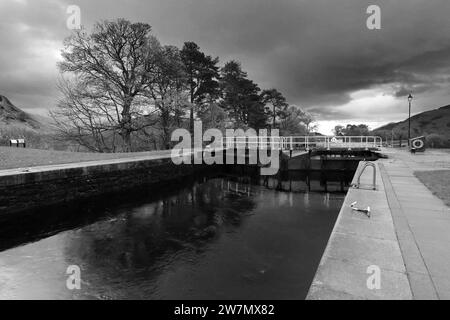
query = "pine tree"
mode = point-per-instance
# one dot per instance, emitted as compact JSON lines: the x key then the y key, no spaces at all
{"x":203,"y":74}
{"x":241,"y":97}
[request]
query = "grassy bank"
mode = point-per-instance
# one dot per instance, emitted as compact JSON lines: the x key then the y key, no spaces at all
{"x":437,"y":182}
{"x":22,"y":158}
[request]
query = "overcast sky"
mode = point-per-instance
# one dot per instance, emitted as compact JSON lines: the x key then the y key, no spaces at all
{"x":319,"y":53}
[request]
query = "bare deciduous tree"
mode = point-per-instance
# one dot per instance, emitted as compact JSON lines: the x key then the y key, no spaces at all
{"x":309,"y":121}
{"x":293,"y":122}
{"x":103,"y":101}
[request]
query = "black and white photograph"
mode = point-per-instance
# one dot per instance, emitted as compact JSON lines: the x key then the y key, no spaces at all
{"x":224,"y":155}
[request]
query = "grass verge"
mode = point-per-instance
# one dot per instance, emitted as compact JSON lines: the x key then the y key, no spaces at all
{"x":438,"y":182}
{"x":11,"y":158}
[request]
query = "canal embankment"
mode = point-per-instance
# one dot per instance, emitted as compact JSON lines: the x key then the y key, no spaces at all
{"x":360,"y":244}
{"x":404,"y":242}
{"x":27,"y":188}
{"x":422,"y":222}
{"x":31,"y":187}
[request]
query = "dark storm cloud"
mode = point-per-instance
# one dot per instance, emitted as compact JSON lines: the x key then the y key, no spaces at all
{"x":317,"y":52}
{"x":30,"y":33}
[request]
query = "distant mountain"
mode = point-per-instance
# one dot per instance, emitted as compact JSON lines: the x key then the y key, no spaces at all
{"x":434,"y":123}
{"x":11,"y":117}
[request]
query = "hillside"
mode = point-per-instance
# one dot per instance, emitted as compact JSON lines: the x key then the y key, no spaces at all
{"x":434,"y":124}
{"x":16,"y":124}
{"x":11,"y":117}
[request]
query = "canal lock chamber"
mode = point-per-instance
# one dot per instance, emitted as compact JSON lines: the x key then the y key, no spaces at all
{"x":219,"y":232}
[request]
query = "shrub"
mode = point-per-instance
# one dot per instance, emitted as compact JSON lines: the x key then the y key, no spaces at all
{"x":436,"y":141}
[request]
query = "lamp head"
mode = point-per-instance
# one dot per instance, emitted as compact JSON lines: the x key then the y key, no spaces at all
{"x":410,"y":97}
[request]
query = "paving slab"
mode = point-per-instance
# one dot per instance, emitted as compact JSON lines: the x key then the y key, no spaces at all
{"x":436,"y":256}
{"x":430,"y":229}
{"x":418,"y":202}
{"x":359,"y":242}
{"x":407,"y":236}
{"x":349,"y":279}
{"x":377,"y":229}
{"x":421,"y":286}
{"x":443,"y":287}
{"x":433,"y":214}
{"x":425,"y":207}
{"x":366,"y":251}
{"x":318,"y":292}
{"x":422,"y":222}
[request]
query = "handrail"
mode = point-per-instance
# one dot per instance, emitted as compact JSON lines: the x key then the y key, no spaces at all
{"x":360,"y":172}
{"x":304,"y":142}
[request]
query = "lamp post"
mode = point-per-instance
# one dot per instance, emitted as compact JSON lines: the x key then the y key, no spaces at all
{"x":410,"y":98}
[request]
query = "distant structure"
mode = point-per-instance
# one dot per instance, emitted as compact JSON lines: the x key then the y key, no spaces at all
{"x":17,"y":143}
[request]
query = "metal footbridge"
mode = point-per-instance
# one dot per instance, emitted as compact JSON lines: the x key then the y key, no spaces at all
{"x":306,"y":143}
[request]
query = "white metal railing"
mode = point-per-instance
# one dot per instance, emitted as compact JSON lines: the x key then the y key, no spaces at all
{"x":303,"y":142}
{"x":396,"y":143}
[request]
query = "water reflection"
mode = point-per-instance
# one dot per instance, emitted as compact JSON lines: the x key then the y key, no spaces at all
{"x":219,"y":238}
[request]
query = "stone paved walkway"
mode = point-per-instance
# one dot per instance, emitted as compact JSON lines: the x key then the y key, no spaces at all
{"x":356,"y":244}
{"x":407,"y":236}
{"x":422,"y":222}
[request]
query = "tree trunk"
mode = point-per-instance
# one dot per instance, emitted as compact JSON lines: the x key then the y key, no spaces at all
{"x":191,"y":118}
{"x":126,"y":126}
{"x":273,"y":124}
{"x":126,"y":135}
{"x":165,"y":124}
{"x":191,"y":121}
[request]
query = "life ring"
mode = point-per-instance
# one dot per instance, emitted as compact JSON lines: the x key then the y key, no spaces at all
{"x":414,"y":144}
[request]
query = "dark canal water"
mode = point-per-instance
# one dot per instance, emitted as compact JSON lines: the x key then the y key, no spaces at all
{"x":217,"y":238}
